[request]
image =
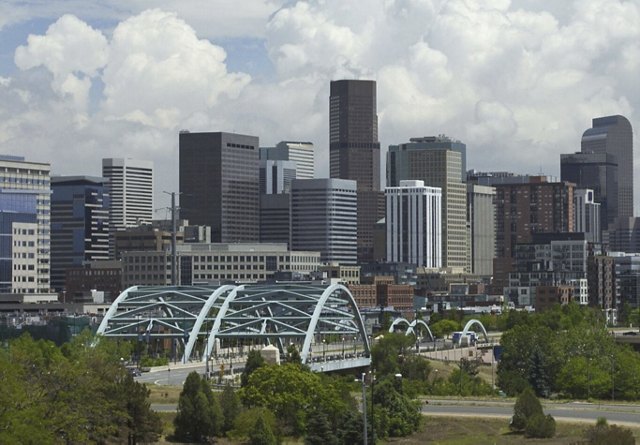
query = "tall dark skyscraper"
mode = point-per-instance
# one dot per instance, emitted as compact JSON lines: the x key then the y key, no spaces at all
{"x":596,"y":171}
{"x":79,"y":224}
{"x":355,"y":152}
{"x":219,"y":184}
{"x":614,"y":135}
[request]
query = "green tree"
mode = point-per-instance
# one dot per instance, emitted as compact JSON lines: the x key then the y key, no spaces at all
{"x":144,"y":424}
{"x":231,"y":407}
{"x":80,"y":393}
{"x":199,"y":414}
{"x":261,"y":434}
{"x":245,"y":422}
{"x":292,"y":392}
{"x":350,"y":428}
{"x":319,"y":431}
{"x":389,"y":353}
{"x":527,"y":405}
{"x":399,"y":415}
{"x":444,"y":327}
{"x":254,"y":361}
{"x":292,"y":355}
{"x":540,"y":426}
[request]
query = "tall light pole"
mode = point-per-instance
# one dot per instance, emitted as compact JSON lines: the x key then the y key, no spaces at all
{"x":364,"y":409}
{"x":373,"y":429}
{"x":174,"y":257}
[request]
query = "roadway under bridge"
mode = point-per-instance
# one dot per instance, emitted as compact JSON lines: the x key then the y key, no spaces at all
{"x":198,"y":322}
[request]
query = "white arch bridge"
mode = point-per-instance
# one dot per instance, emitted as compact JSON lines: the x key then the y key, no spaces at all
{"x":322,"y":322}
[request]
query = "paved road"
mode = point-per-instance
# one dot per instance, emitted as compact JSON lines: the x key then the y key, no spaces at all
{"x":628,"y":415}
{"x":571,"y":412}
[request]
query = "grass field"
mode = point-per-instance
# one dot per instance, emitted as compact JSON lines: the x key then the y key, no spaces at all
{"x":470,"y":431}
{"x":164,"y":394}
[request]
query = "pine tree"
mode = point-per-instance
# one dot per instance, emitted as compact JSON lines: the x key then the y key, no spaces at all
{"x":319,"y":431}
{"x":261,"y":434}
{"x":527,"y":405}
{"x":231,"y":407}
{"x":199,"y":413}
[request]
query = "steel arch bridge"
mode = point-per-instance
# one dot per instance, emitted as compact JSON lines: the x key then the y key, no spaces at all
{"x":412,"y":327}
{"x":317,"y":319}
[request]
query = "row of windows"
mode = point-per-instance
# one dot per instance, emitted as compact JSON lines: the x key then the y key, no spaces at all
{"x":23,"y":231}
{"x":23,"y":243}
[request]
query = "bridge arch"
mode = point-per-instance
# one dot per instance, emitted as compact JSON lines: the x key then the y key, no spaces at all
{"x":470,"y":323}
{"x":411,"y":326}
{"x":417,"y":323}
{"x":398,"y":321}
{"x":197,"y":316}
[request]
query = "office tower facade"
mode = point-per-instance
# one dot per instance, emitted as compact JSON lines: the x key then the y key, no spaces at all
{"x":587,"y":213}
{"x":627,"y":276}
{"x":275,"y":218}
{"x":437,"y":168}
{"x":302,"y":153}
{"x":624,"y":235}
{"x":398,"y":167}
{"x":614,"y":135}
{"x":276,"y":176}
{"x":130,"y":190}
{"x":481,"y":213}
{"x":597,"y":171}
{"x":523,"y":209}
{"x":354,"y":152}
{"x":79,"y":224}
{"x":601,"y":277}
{"x":219,"y":184}
{"x":324,"y":218}
{"x":25,"y":225}
{"x":414,"y":224}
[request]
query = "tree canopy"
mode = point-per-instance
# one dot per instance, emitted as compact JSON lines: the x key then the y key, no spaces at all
{"x":80,"y":393}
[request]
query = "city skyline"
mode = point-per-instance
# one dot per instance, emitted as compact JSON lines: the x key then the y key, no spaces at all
{"x":518,"y":96}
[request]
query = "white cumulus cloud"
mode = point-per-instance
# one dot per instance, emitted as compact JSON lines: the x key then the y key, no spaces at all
{"x":517,"y":80}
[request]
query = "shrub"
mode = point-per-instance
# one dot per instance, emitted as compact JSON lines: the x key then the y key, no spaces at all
{"x":540,"y":426}
{"x":604,"y":434}
{"x":527,"y":405}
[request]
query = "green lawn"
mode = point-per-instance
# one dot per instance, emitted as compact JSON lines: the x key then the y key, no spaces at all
{"x":470,"y":431}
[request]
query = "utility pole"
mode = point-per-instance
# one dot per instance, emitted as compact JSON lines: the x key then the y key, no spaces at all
{"x":364,"y":409}
{"x":173,"y":240}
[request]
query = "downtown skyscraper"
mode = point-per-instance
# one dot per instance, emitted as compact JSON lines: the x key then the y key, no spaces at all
{"x":354,"y":151}
{"x":219,"y":184}
{"x":79,"y":224}
{"x":25,"y":224}
{"x":130,"y":189}
{"x":438,"y":162}
{"x":614,"y":135}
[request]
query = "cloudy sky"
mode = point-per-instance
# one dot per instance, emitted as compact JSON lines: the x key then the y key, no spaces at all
{"x":518,"y":81}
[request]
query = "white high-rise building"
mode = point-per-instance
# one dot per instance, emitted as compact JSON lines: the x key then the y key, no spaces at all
{"x":131,"y":193}
{"x":587,"y":214}
{"x":414,"y":224}
{"x":25,"y":208}
{"x":324,"y":218}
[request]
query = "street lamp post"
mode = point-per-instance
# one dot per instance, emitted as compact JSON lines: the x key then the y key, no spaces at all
{"x":373,"y":429}
{"x":364,"y":409}
{"x":460,"y":377}
{"x":613,"y":377}
{"x":324,"y":350}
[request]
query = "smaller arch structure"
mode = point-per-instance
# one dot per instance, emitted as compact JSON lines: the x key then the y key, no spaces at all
{"x":467,"y":329}
{"x":412,"y":327}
